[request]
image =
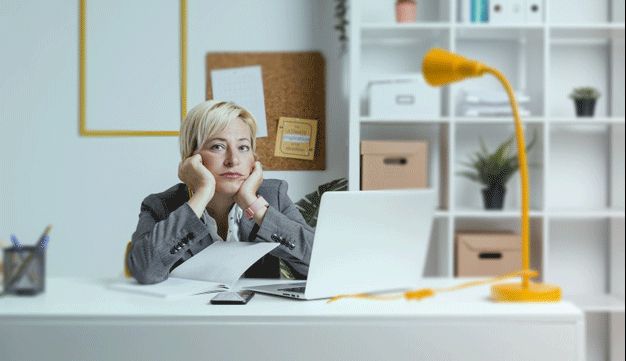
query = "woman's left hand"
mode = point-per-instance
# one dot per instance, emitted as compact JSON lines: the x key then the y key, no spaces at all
{"x":248,"y":190}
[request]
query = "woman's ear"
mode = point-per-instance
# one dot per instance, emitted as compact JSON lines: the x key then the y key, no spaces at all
{"x":256,"y":157}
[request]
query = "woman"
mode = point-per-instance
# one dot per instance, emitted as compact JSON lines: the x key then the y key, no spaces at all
{"x":223,"y":197}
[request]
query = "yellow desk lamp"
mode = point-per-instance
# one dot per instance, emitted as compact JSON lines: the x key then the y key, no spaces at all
{"x":441,"y":67}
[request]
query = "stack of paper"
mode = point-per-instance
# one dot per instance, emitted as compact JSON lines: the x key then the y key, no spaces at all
{"x":214,"y":269}
{"x":477,"y":103}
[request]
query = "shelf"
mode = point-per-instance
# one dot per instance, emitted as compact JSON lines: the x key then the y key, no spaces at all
{"x":586,"y":120}
{"x":586,"y":214}
{"x":588,"y":26}
{"x":497,"y":120}
{"x":469,"y":26}
{"x":567,"y":121}
{"x":494,"y":32}
{"x":413,"y":32}
{"x":400,"y":120}
{"x":365,"y":27}
{"x":482,"y":213}
{"x":597,"y":303}
{"x":581,"y":33}
{"x":539,"y":119}
{"x":555,"y":214}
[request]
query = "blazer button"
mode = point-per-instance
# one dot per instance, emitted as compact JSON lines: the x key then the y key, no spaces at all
{"x":190,"y":235}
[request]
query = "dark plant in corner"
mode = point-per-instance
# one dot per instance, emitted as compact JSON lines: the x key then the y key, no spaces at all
{"x":309,"y":205}
{"x":494,"y":170}
{"x":341,"y":15}
{"x":585,"y":100}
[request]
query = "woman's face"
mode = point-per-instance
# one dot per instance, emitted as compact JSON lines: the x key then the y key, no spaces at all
{"x":228,"y":155}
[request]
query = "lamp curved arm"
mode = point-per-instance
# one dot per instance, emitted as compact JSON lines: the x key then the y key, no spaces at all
{"x":523,"y":169}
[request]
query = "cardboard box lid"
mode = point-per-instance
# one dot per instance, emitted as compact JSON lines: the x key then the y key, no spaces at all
{"x":490,"y":241}
{"x":392,"y":147}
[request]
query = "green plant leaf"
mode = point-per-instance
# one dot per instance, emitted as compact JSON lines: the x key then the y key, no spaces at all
{"x":497,"y":168}
{"x":310,"y":204}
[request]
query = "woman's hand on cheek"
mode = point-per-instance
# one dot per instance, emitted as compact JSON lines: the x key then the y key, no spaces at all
{"x":194,"y":174}
{"x":249,"y":188}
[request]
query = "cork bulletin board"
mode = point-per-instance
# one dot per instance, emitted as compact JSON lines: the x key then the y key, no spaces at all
{"x":294,"y":86}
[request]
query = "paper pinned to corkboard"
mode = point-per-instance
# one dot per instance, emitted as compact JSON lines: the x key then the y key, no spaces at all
{"x":295,"y":138}
{"x":295,"y":87}
{"x":243,"y":86}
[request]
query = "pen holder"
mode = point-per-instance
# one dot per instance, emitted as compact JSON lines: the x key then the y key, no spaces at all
{"x":24,"y":270}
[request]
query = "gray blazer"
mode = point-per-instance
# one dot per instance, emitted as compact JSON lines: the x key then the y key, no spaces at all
{"x":168,"y":233}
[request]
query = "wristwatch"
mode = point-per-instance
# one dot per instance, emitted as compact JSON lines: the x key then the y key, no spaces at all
{"x":255,"y":207}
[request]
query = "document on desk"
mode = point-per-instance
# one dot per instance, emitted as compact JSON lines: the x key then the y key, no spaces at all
{"x":214,"y":269}
{"x":223,"y":262}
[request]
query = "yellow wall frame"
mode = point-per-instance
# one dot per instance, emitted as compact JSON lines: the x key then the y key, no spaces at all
{"x":82,"y":81}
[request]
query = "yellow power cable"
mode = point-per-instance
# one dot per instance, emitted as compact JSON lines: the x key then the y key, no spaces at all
{"x":422,"y":293}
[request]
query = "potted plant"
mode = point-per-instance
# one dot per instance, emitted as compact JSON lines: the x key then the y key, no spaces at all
{"x":406,"y":11}
{"x":341,"y":25}
{"x":585,"y":100}
{"x":494,"y":170}
{"x":309,"y":206}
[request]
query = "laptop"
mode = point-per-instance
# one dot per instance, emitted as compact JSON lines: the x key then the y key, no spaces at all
{"x":365,"y":241}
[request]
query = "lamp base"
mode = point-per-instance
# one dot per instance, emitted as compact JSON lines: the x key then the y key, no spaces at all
{"x":536,"y":292}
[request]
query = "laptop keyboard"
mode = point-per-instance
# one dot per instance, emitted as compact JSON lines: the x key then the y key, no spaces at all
{"x":293,"y":289}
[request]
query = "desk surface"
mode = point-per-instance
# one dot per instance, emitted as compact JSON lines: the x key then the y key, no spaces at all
{"x":80,"y":319}
{"x":82,"y":297}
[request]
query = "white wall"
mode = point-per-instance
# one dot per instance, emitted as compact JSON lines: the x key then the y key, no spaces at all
{"x":90,"y":189}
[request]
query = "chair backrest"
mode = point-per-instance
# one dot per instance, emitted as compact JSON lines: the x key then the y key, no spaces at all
{"x":127,"y":273}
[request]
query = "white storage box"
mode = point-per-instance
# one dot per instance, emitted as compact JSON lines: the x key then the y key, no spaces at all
{"x":403,"y":97}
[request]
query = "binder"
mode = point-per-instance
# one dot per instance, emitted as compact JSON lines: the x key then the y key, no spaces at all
{"x":479,"y":11}
{"x":533,"y":11}
{"x":506,"y":12}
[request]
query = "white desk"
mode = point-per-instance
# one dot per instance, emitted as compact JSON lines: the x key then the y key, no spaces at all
{"x":79,"y":319}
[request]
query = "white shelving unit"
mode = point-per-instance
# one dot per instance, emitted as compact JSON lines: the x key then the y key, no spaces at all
{"x":577,"y":173}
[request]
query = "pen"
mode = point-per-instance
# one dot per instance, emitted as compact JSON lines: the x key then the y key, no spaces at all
{"x":43,"y":239}
{"x":16,"y":242}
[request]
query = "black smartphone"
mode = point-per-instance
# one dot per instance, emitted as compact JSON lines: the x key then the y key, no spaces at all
{"x":232,"y":298}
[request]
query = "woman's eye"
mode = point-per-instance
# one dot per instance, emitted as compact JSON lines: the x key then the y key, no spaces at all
{"x":245,"y":148}
{"x":217,"y":147}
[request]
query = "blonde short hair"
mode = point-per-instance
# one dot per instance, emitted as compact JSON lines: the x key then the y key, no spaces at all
{"x":209,"y":118}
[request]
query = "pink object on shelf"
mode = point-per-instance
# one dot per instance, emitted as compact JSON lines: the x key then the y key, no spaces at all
{"x":406,"y":12}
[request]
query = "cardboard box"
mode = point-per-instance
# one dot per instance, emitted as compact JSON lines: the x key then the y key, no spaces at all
{"x":487,"y":254}
{"x":403,"y":97}
{"x":394,"y":164}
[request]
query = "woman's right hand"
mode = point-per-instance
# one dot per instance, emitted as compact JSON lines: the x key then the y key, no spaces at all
{"x":196,"y":176}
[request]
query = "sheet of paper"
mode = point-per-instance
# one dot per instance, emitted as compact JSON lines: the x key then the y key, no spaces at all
{"x":243,"y":86}
{"x":223,"y":262}
{"x":170,"y":288}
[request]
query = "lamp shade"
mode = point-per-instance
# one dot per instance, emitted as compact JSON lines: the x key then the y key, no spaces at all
{"x":441,"y":67}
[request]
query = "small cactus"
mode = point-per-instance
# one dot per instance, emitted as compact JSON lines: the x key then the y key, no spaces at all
{"x":585,"y":93}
